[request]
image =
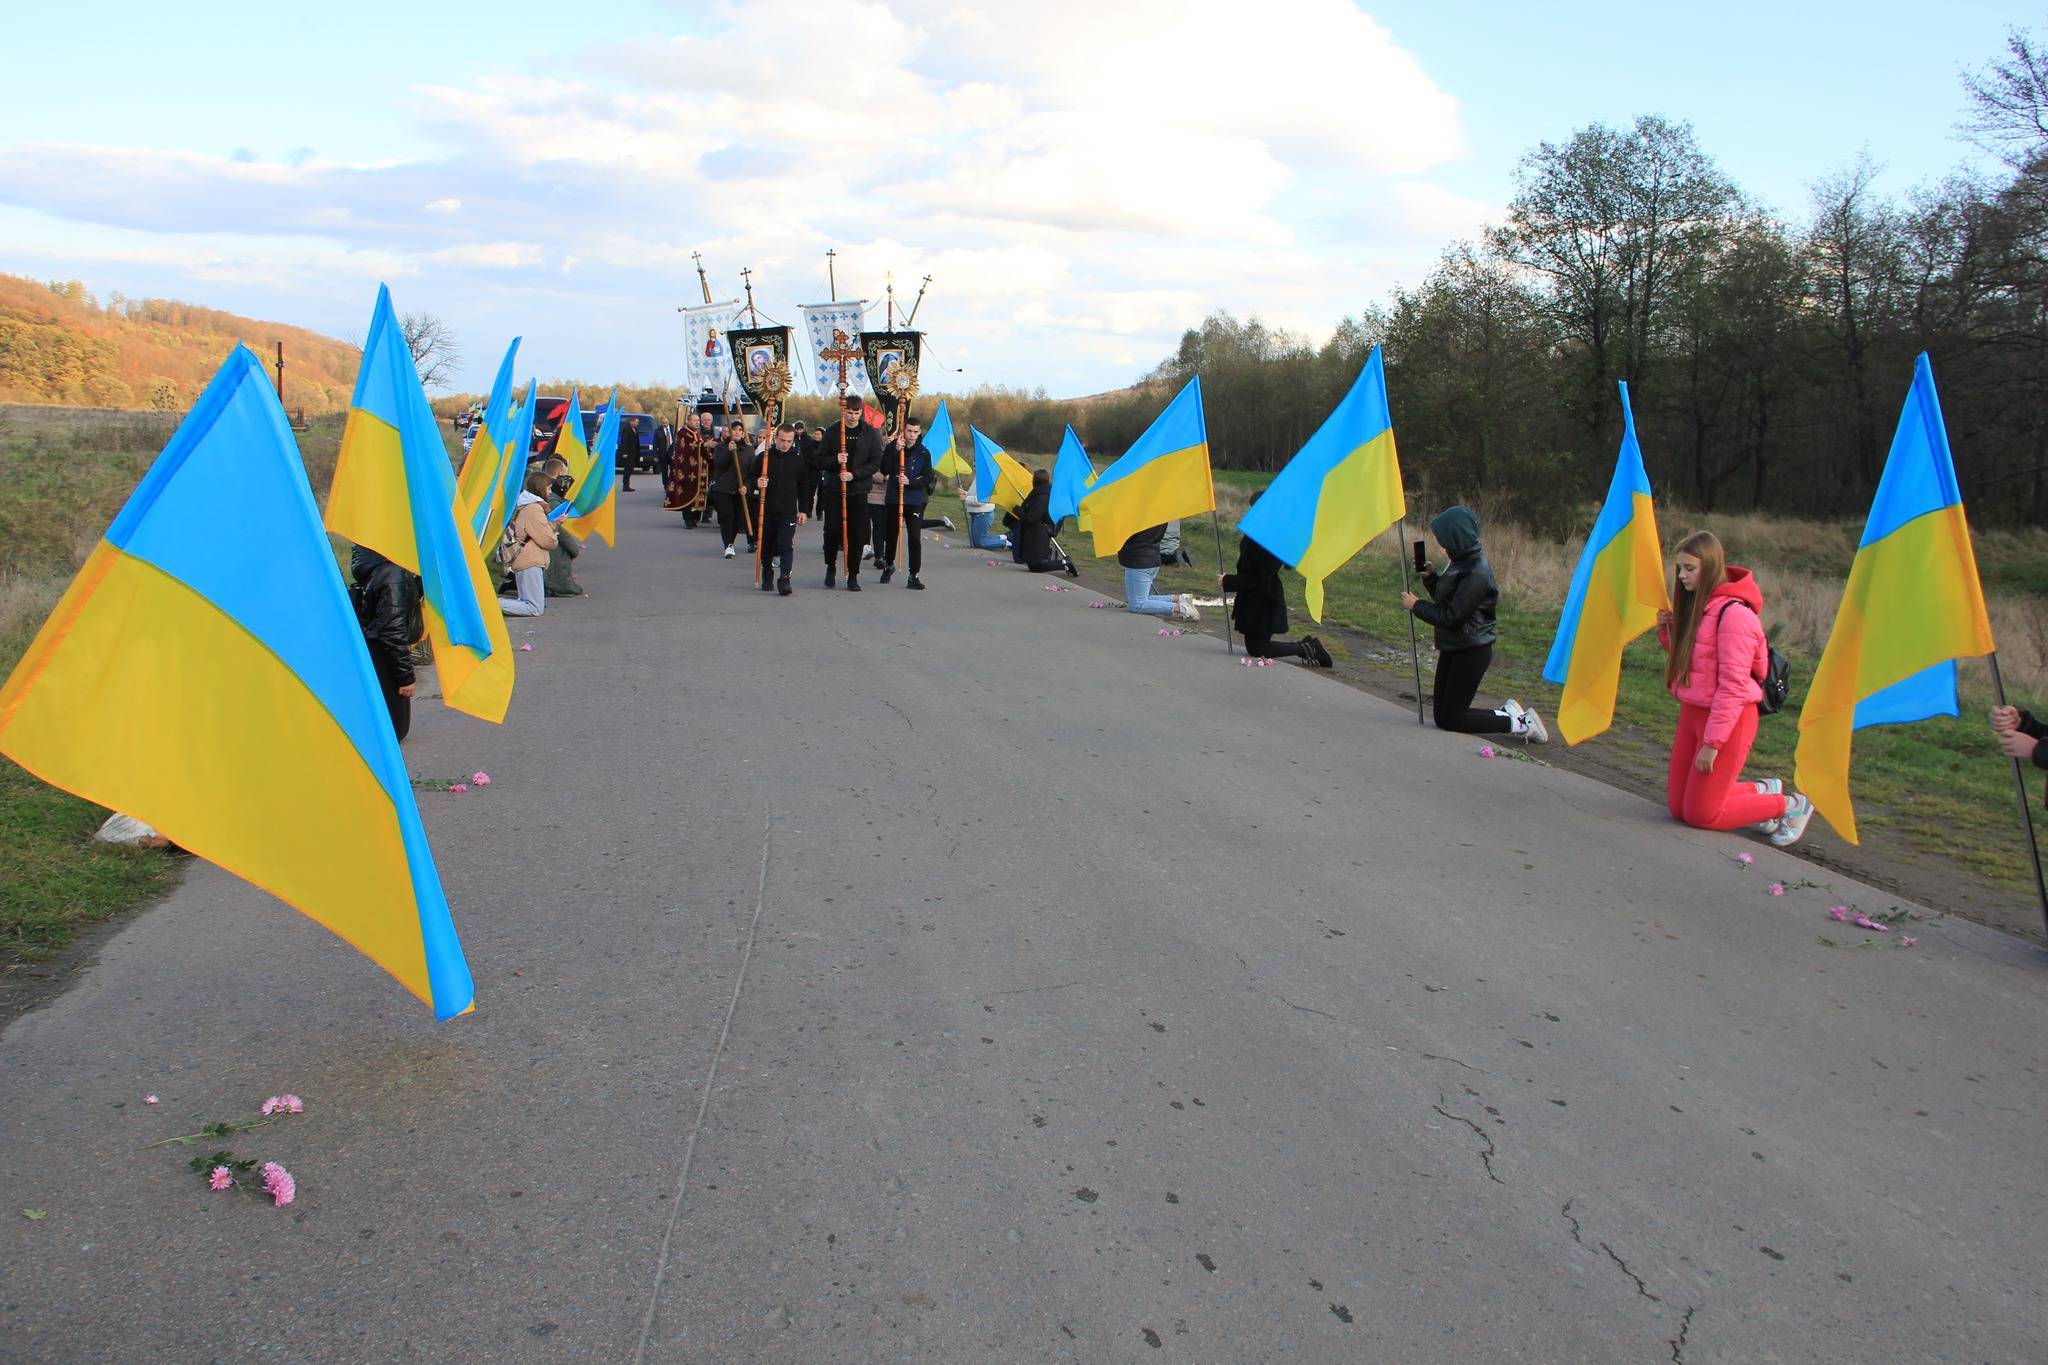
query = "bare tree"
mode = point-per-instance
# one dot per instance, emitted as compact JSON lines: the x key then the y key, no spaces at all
{"x":434,"y":348}
{"x":2009,"y":102}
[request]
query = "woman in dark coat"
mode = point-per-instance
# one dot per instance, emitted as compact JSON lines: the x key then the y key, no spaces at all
{"x":1261,"y":609}
{"x":387,"y":602}
{"x":1035,"y":529}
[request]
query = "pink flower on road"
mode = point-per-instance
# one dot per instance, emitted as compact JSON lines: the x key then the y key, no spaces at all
{"x":1838,"y":913}
{"x":1744,"y":859}
{"x":1486,"y":751}
{"x":1864,"y":921}
{"x":294,"y":1105}
{"x":459,"y":788}
{"x":278,"y":1183}
{"x":150,"y":1099}
{"x":481,"y":779}
{"x":1908,"y":941}
{"x":526,"y":649}
{"x":1776,"y":888}
{"x":220,"y":1178}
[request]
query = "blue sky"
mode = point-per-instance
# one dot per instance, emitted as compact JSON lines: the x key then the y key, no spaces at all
{"x":1045,"y":163}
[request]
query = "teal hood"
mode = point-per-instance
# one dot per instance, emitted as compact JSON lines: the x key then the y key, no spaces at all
{"x":1457,"y":530}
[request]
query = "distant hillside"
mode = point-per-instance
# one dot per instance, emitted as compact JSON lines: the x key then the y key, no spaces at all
{"x":58,"y":344}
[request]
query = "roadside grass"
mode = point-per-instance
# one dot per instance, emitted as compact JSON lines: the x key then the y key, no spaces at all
{"x":63,"y":477}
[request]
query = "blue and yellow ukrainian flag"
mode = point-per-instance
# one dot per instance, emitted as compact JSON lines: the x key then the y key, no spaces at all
{"x":483,"y":472}
{"x":1072,"y":473}
{"x":518,"y":450}
{"x":1338,"y":492}
{"x":205,"y":673}
{"x":593,"y":505}
{"x":1913,"y":606}
{"x":938,"y":439}
{"x":998,"y":478}
{"x":393,"y":492}
{"x":1617,"y":591}
{"x":1164,"y":475}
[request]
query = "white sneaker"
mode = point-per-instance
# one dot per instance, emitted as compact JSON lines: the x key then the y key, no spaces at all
{"x":1529,"y":728}
{"x":1511,"y":708}
{"x":1184,"y":609}
{"x":1768,"y":786}
{"x":1792,"y":827}
{"x":728,"y":552}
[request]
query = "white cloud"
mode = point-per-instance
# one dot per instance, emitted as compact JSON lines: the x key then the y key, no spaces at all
{"x":1081,"y":180}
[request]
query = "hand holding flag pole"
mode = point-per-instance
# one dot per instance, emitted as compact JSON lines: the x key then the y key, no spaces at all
{"x":1414,"y":642}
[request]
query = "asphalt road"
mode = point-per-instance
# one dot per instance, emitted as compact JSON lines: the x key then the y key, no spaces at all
{"x":970,"y":975}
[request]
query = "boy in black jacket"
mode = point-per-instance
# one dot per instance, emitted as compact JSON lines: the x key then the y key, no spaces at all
{"x":780,"y":474}
{"x":387,"y":602}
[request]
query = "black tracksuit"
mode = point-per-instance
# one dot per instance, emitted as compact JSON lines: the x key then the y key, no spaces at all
{"x":787,"y":478}
{"x":863,"y":458}
{"x":908,"y":519}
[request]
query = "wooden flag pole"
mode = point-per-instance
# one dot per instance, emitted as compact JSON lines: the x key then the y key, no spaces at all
{"x":1216,"y":525}
{"x":774,"y":386}
{"x":1414,"y":644}
{"x":2019,"y":781}
{"x":840,"y":352}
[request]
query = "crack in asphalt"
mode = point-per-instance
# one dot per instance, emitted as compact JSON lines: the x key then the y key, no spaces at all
{"x":1485,"y":1156}
{"x":1684,"y":1330}
{"x":1434,"y":1057}
{"x":1306,"y":1009}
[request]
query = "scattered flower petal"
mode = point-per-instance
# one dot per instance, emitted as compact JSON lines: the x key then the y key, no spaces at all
{"x":1908,"y":941}
{"x":150,"y":1099}
{"x":481,"y":779}
{"x":278,"y":1184}
{"x":1863,"y":921}
{"x":1744,"y":858}
{"x":1838,"y":913}
{"x":526,"y":649}
{"x":1776,"y":888}
{"x":220,"y":1178}
{"x":459,"y":787}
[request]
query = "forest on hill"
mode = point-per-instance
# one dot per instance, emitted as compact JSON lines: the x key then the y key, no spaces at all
{"x":60,"y":344}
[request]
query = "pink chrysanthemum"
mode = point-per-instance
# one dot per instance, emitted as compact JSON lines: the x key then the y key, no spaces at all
{"x":1744,"y":859}
{"x":272,"y":1105}
{"x":278,"y":1184}
{"x":1838,"y":913}
{"x":459,"y":788}
{"x":1908,"y":941}
{"x":220,"y":1178}
{"x":1486,"y":751}
{"x":526,"y":649}
{"x":294,"y":1105}
{"x":150,"y":1099}
{"x":481,"y":779}
{"x":1776,"y":888}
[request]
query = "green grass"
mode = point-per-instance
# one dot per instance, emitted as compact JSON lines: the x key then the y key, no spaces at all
{"x":54,"y":877}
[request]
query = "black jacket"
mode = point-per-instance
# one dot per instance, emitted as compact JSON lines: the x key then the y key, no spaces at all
{"x":786,"y":474}
{"x":863,"y":458}
{"x":725,"y":470}
{"x":921,"y":476}
{"x":1141,"y":551}
{"x":1463,"y":598}
{"x":387,"y":602}
{"x":1261,"y":607}
{"x":1034,"y":527}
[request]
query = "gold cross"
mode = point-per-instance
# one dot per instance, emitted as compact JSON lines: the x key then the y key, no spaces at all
{"x":840,"y":351}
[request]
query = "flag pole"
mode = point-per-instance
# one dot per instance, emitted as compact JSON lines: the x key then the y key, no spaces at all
{"x":1414,"y":645}
{"x":2019,"y":781}
{"x":1216,"y":525}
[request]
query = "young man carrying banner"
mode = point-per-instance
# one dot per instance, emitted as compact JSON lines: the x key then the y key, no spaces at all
{"x":843,"y":500}
{"x":779,"y":474}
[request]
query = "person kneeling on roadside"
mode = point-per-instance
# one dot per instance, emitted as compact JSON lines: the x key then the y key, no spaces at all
{"x":981,"y":525}
{"x":1140,"y":559}
{"x":387,"y":600}
{"x":2022,"y":737}
{"x":1035,"y":530}
{"x":1460,"y":608}
{"x":1260,"y":611}
{"x":1715,"y":635}
{"x":560,"y":578}
{"x":530,"y":538}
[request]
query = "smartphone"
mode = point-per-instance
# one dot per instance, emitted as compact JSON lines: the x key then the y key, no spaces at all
{"x":1421,"y":563}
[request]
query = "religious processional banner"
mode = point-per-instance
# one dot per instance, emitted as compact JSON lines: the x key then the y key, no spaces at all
{"x":756,"y":351}
{"x":705,"y":347}
{"x":819,"y":321}
{"x":883,"y":354}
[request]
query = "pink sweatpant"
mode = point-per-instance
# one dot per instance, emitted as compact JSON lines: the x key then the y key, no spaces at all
{"x":1719,"y":799}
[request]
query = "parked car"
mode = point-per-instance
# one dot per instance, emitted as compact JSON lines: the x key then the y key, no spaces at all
{"x":642,"y":457}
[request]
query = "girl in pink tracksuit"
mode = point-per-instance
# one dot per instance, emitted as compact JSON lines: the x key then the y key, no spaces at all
{"x":1714,"y":634}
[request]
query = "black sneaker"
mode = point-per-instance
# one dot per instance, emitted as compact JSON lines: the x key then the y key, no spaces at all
{"x":1317,"y":655}
{"x":888,"y":572}
{"x":782,"y":586}
{"x":831,"y":576}
{"x":915,"y":582}
{"x":767,"y":583}
{"x":853,"y":582}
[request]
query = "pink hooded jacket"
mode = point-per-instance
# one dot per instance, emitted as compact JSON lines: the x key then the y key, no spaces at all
{"x":1729,"y":656}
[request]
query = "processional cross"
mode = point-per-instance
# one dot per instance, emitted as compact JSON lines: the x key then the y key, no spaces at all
{"x":840,"y":352}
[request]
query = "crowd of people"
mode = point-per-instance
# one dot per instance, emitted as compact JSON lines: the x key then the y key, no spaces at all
{"x":756,"y":487}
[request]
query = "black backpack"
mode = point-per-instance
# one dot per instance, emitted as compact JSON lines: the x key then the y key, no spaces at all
{"x":1777,"y":679}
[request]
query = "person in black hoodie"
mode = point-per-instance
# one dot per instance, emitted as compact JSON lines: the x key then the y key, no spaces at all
{"x":388,"y":606}
{"x":1461,"y":609}
{"x":1035,"y":530}
{"x":779,"y":474}
{"x":908,"y":470}
{"x":843,"y":495}
{"x":1260,"y":611}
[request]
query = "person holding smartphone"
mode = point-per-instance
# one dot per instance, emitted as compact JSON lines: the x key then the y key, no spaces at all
{"x":1460,"y":609}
